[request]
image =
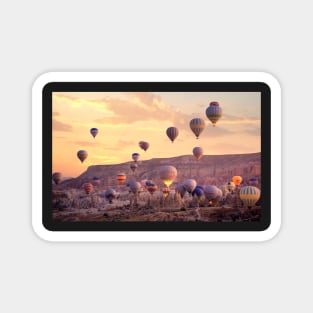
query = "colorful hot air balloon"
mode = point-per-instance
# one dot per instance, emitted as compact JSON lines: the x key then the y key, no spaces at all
{"x":57,"y":177}
{"x":94,"y":132}
{"x":96,"y":181}
{"x":135,"y":156}
{"x":237,"y":180}
{"x":88,"y":188}
{"x":134,"y":186}
{"x":197,"y":125}
{"x":133,"y":167}
{"x":172,"y":133}
{"x":190,"y":185}
{"x":121,"y":177}
{"x":197,"y":152}
{"x":180,"y":189}
{"x":82,"y":155}
{"x":144,"y":145}
{"x":152,"y":188}
{"x":167,"y":174}
{"x":230,"y":186}
{"x":249,"y":195}
{"x":214,"y":112}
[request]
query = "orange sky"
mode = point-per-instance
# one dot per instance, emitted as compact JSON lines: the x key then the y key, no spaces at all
{"x":124,"y":119}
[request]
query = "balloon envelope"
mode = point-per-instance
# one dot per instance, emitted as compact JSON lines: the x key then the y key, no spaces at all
{"x":230,"y":186}
{"x":96,"y":181}
{"x":172,"y":133}
{"x":167,"y":174}
{"x":211,"y":192}
{"x":214,"y":112}
{"x":134,"y":186}
{"x":237,"y":180}
{"x":82,"y":155}
{"x":197,"y":125}
{"x":133,"y":167}
{"x":88,"y":188}
{"x":180,"y":189}
{"x":249,"y":195}
{"x":189,"y":185}
{"x":197,"y":152}
{"x":110,"y":194}
{"x":57,"y":177}
{"x":198,"y":192}
{"x":135,"y":156}
{"x":121,"y":177}
{"x":94,"y":132}
{"x":144,"y":145}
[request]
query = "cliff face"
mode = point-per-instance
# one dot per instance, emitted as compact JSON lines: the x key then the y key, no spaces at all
{"x":210,"y":169}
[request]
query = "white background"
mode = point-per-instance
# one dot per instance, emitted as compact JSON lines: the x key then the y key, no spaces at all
{"x":37,"y":37}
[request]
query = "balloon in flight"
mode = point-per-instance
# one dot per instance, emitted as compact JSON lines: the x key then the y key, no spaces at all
{"x":144,"y":145}
{"x":94,"y":132}
{"x":197,"y":152}
{"x":135,"y":156}
{"x":197,"y":125}
{"x":167,"y":174}
{"x":82,"y":155}
{"x":214,"y":112}
{"x":172,"y":133}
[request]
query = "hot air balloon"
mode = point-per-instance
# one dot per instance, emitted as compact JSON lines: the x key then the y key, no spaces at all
{"x":180,"y":189}
{"x":110,"y":194}
{"x":94,"y":132}
{"x":166,"y":192}
{"x":88,"y":188}
{"x":172,"y":133}
{"x":57,"y":177}
{"x":197,"y":152}
{"x":214,"y":112}
{"x":121,"y":177}
{"x":230,"y":186}
{"x":249,"y":195}
{"x":96,"y":181}
{"x":211,"y":192}
{"x":152,"y":188}
{"x":82,"y":155}
{"x":190,"y":185}
{"x":167,"y":174}
{"x":253,"y":181}
{"x":144,"y":145}
{"x":197,"y":125}
{"x":133,"y":167}
{"x":237,"y":180}
{"x":198,"y":192}
{"x":135,"y":156}
{"x":134,"y":186}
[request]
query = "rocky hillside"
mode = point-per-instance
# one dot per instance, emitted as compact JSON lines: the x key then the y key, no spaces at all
{"x":210,"y":169}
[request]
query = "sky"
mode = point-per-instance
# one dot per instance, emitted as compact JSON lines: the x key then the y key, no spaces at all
{"x":125,"y":118}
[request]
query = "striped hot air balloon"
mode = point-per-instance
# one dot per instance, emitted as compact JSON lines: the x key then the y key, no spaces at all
{"x":88,"y":188}
{"x":214,"y":112}
{"x":121,"y":177}
{"x":249,"y":195}
{"x":197,"y":152}
{"x":197,"y":125}
{"x":82,"y":155}
{"x":172,"y":133}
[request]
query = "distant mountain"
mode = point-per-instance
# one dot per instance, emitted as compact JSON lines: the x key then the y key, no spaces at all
{"x":210,"y":169}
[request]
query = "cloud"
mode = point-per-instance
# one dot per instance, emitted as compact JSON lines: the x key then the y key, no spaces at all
{"x":230,"y":119}
{"x":59,"y":126}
